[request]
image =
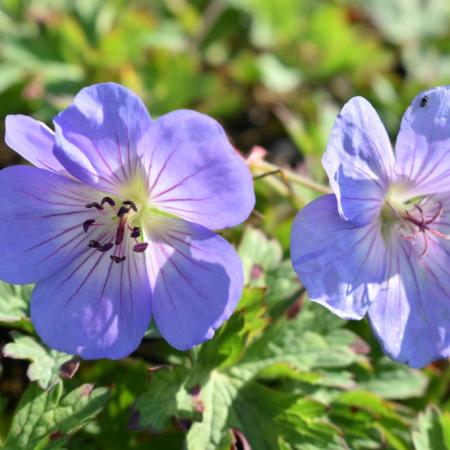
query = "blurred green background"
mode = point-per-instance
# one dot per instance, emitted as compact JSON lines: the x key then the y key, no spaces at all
{"x":274,"y":72}
{"x":267,"y":69}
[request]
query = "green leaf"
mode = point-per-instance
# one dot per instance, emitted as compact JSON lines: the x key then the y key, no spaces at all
{"x":367,"y":420}
{"x":45,"y":364}
{"x":229,"y":394}
{"x":432,"y":430}
{"x":392,"y":380}
{"x":257,"y":251}
{"x":262,"y":414}
{"x":168,"y":388}
{"x":264,"y":267}
{"x":14,"y":301}
{"x":43,"y":417}
{"x":311,"y":340}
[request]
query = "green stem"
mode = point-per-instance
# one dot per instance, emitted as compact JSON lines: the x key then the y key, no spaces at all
{"x":262,"y":167}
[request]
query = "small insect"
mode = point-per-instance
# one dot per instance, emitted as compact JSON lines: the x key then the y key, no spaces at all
{"x":424,"y":101}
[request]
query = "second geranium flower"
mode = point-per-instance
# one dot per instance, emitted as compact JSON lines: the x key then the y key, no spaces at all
{"x":380,"y":244}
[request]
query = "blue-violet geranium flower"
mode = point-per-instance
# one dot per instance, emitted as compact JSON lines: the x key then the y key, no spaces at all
{"x":113,"y":223}
{"x":380,"y":244}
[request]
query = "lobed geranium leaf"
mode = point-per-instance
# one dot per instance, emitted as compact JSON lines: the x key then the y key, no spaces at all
{"x":14,"y":301}
{"x":293,"y":380}
{"x":366,"y":420}
{"x":221,"y":395}
{"x":258,"y":251}
{"x":166,"y":398}
{"x":45,"y":364}
{"x":392,"y":380}
{"x":261,"y":414}
{"x":432,"y":430}
{"x":45,"y":419}
{"x":307,"y":342}
{"x":264,"y":267}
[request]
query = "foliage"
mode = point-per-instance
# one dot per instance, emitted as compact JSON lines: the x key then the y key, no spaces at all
{"x":282,"y":373}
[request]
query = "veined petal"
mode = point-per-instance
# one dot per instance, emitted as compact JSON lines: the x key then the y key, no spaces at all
{"x":195,"y":173}
{"x":94,"y":307}
{"x":32,"y":140}
{"x":422,"y":149}
{"x":197,"y":280}
{"x":411,"y":315}
{"x":41,"y":225}
{"x":359,"y":161}
{"x":98,"y":136}
{"x":340,"y":265}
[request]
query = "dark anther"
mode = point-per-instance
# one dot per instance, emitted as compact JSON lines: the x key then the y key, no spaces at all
{"x":117,"y":259}
{"x":122,"y":211}
{"x":87,"y":224}
{"x":95,"y":205}
{"x":424,"y":101}
{"x":105,"y":247}
{"x":120,"y":232}
{"x":139,"y":248}
{"x":130,"y":203}
{"x":136,"y":232}
{"x":108,"y":200}
{"x":94,"y":244}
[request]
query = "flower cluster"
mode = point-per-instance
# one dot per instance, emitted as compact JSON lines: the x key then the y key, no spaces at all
{"x":113,"y":223}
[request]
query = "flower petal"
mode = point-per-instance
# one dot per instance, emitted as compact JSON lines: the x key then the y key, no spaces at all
{"x":359,"y":161}
{"x":94,"y":307}
{"x":33,"y":140}
{"x":41,"y":226}
{"x":197,"y":281}
{"x":98,"y":135}
{"x":340,"y":265}
{"x":195,"y":173}
{"x":422,"y":149}
{"x":411,"y":315}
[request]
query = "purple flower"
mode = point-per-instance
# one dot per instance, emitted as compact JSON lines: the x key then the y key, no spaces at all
{"x":113,"y":224}
{"x":380,"y":244}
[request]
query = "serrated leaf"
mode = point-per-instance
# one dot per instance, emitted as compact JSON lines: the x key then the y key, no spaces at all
{"x":263,"y":415}
{"x":14,"y":301}
{"x":45,"y":363}
{"x":167,"y":387}
{"x":258,"y":252}
{"x":225,"y":372}
{"x":432,"y":430}
{"x":43,"y":417}
{"x":308,"y":342}
{"x":392,"y":380}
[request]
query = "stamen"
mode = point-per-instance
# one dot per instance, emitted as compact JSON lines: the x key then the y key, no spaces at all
{"x":95,"y":205}
{"x":130,"y":203}
{"x":105,"y":247}
{"x":425,"y":245}
{"x":436,"y":215}
{"x":87,"y":224}
{"x":136,"y":232}
{"x":140,"y":248}
{"x":108,"y":200}
{"x":122,"y":211}
{"x":117,"y":259}
{"x":424,"y":226}
{"x":439,"y":234}
{"x":94,"y":244}
{"x":120,"y":231}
